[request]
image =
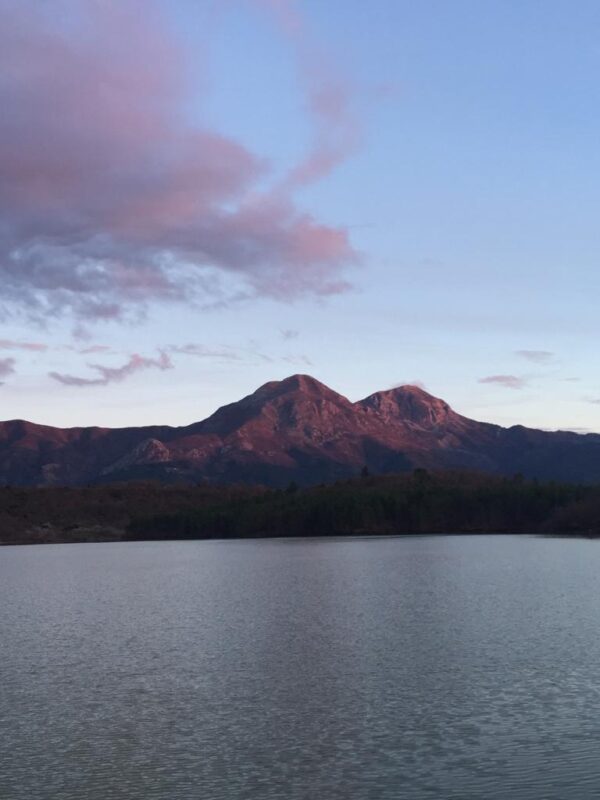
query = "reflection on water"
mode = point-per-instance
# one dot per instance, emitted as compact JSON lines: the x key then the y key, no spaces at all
{"x":430,"y":667}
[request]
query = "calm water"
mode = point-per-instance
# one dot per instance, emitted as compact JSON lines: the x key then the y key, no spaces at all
{"x":431,"y":667}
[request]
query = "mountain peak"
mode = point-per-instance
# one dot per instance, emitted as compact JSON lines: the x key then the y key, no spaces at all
{"x":304,"y":384}
{"x":275,"y":401}
{"x":409,"y":403}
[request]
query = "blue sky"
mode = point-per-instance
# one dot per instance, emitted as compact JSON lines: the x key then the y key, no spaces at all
{"x":465,"y":183}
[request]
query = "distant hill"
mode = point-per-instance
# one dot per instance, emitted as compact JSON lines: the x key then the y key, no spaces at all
{"x":295,"y":430}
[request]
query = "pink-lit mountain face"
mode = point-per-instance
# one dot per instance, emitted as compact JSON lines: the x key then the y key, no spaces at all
{"x":295,"y":429}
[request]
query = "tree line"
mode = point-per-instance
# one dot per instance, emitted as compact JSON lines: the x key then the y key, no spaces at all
{"x":420,"y":502}
{"x":416,"y":502}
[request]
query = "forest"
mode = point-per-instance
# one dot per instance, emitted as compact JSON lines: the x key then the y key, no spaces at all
{"x":408,"y":503}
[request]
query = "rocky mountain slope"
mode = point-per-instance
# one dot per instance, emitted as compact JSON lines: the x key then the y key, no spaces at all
{"x":295,"y":429}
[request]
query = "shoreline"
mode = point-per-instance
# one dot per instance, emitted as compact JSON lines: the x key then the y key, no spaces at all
{"x":320,"y":536}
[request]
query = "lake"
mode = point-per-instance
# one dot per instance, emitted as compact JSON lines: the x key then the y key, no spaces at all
{"x":414,"y":667}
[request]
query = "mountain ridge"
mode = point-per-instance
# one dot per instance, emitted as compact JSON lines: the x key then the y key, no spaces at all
{"x":297,"y":429}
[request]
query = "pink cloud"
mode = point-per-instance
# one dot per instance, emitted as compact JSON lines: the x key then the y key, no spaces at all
{"x":108,"y":375}
{"x":508,"y":381}
{"x":286,"y":13}
{"x":110,"y":199}
{"x":337,"y":133}
{"x":419,"y":384}
{"x":95,"y":348}
{"x":337,"y":130}
{"x":11,"y":344}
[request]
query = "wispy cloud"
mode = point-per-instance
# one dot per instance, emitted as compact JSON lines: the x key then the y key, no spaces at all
{"x":110,"y":199}
{"x":329,"y":95}
{"x":108,"y":375}
{"x":239,"y":354}
{"x":416,"y":382}
{"x":94,"y":348}
{"x":7,"y":367}
{"x":508,"y":381}
{"x":201,"y":351}
{"x":299,"y":360}
{"x":536,"y":356}
{"x":12,"y":344}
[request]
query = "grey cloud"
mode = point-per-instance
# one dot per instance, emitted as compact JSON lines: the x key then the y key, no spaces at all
{"x":7,"y":367}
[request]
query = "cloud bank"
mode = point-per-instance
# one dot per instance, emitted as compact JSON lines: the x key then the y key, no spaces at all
{"x":110,"y":199}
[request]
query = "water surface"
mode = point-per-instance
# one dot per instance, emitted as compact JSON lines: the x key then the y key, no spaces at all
{"x":420,"y":667}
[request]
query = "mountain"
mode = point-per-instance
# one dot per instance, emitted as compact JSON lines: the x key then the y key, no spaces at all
{"x":296,"y":429}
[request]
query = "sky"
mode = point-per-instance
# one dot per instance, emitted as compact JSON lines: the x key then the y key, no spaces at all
{"x":199,"y":196}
